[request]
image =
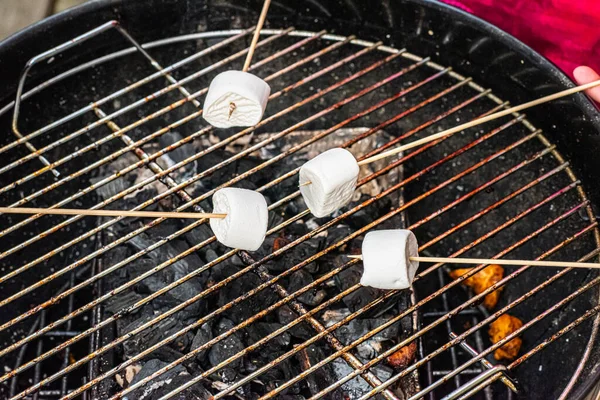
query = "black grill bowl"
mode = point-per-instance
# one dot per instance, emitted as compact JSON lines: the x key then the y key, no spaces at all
{"x":451,"y":37}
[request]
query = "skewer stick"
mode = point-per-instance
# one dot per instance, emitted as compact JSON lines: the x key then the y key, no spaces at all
{"x":108,"y":213}
{"x":261,"y":21}
{"x":305,"y":184}
{"x":479,"y":122}
{"x":534,"y":263}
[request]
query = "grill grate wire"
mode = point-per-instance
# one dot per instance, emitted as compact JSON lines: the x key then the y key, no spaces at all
{"x":460,"y":374}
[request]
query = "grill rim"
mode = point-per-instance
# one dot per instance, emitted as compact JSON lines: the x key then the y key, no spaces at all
{"x":588,"y":107}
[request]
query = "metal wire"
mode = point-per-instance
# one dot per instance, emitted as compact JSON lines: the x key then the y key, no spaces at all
{"x":526,"y":135}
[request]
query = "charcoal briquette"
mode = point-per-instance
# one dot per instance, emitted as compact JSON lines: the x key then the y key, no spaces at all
{"x":182,"y":152}
{"x":360,"y":297}
{"x":203,"y":335}
{"x":249,"y":307}
{"x":301,"y":279}
{"x":322,"y":377}
{"x":303,"y":331}
{"x":122,"y":300}
{"x":259,"y":330}
{"x":227,"y":347}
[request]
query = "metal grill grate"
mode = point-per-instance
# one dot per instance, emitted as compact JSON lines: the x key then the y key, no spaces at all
{"x":496,"y":191}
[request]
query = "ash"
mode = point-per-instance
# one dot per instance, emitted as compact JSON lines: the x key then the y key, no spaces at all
{"x":209,"y":356}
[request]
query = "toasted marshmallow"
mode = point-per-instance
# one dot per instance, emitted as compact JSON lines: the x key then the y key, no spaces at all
{"x":332,"y":176}
{"x":245,"y":226}
{"x":386,"y":259}
{"x":235,"y":98}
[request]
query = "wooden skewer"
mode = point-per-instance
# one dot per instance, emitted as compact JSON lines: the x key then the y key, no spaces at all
{"x":534,"y":263}
{"x":108,"y":213}
{"x":479,"y":122}
{"x":261,"y":21}
{"x":305,"y":184}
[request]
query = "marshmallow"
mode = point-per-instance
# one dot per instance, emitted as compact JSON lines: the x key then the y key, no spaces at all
{"x":235,"y":98}
{"x":386,"y":262}
{"x":332,"y":176}
{"x":245,"y":225}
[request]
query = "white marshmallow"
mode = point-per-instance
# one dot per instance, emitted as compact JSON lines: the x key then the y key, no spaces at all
{"x":333,"y":175}
{"x":238,"y":93}
{"x":247,"y":217}
{"x":385,"y":257}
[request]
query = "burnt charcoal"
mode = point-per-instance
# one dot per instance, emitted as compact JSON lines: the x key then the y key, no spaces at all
{"x":293,"y":208}
{"x":251,"y":364}
{"x":360,"y":327}
{"x":123,"y":322}
{"x":142,"y":242}
{"x":359,"y":298}
{"x":139,"y":267}
{"x":259,"y":330}
{"x":212,"y":255}
{"x":297,"y":229}
{"x":116,"y":255}
{"x":227,"y":347}
{"x":141,"y":196}
{"x":275,"y":219}
{"x":223,"y":270}
{"x":383,"y":372}
{"x":203,"y":336}
{"x":250,"y":306}
{"x":121,"y":301}
{"x":168,"y":354}
{"x":172,"y":273}
{"x":160,"y":386}
{"x":279,"y":374}
{"x":165,"y":228}
{"x":183,"y":342}
{"x":246,"y":184}
{"x":198,"y":235}
{"x":299,"y":280}
{"x":355,"y":388}
{"x":322,"y":377}
{"x":182,"y":268}
{"x":225,"y":375}
{"x":113,"y":257}
{"x":338,"y":233}
{"x":295,"y":255}
{"x":195,"y":392}
{"x":303,"y":331}
{"x":375,"y":345}
{"x":113,"y":187}
{"x":361,"y":218}
{"x":219,"y":176}
{"x":180,"y":153}
{"x":237,"y":261}
{"x":148,"y":391}
{"x":150,"y":336}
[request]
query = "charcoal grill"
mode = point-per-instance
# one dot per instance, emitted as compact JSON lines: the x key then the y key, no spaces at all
{"x":94,"y":107}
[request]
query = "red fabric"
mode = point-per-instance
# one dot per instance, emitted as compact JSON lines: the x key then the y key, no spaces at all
{"x":565,"y":31}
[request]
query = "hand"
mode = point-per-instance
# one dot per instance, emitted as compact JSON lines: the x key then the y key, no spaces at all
{"x":585,"y":75}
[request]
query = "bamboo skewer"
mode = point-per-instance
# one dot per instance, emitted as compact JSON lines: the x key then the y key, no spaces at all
{"x":473,"y":123}
{"x":261,"y":21}
{"x":108,"y":213}
{"x":479,"y":121}
{"x":534,"y":263}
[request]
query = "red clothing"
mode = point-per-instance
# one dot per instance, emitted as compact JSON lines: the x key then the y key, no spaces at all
{"x":565,"y":31}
